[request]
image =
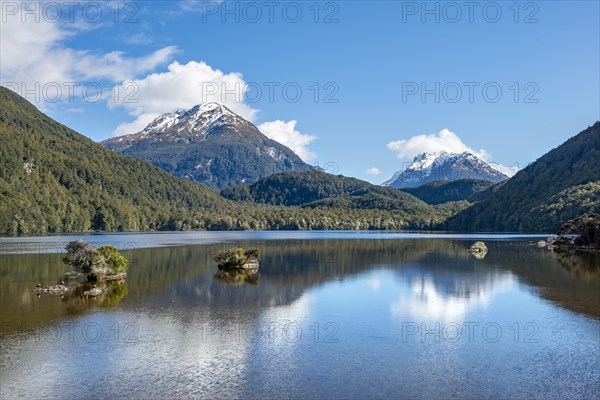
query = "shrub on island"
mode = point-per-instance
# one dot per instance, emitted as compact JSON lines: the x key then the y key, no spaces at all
{"x":237,"y":258}
{"x":103,"y":263}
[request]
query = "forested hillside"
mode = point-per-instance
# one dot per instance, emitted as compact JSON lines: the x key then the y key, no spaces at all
{"x":320,"y":190}
{"x":557,"y":187}
{"x":300,"y":188}
{"x":53,"y":179}
{"x":438,"y":192}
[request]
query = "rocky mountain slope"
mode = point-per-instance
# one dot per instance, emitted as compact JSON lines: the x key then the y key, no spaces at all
{"x":429,"y":167}
{"x":209,"y":144}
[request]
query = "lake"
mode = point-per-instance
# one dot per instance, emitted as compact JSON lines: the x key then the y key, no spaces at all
{"x":329,"y":315}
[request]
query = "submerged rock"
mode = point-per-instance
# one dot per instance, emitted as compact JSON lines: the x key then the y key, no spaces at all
{"x":50,"y":289}
{"x":93,"y":292}
{"x":115,"y":277}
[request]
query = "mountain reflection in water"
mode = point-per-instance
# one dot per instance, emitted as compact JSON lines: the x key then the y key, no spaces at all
{"x":320,"y":318}
{"x":443,"y":277}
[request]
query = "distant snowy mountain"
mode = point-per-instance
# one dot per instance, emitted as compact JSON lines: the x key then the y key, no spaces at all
{"x":211,"y":144}
{"x":429,"y":167}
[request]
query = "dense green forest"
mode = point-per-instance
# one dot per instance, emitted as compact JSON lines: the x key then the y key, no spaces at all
{"x":320,"y":190}
{"x":438,"y":192}
{"x":557,"y":187}
{"x":299,"y":188}
{"x":317,"y":189}
{"x":53,"y":179}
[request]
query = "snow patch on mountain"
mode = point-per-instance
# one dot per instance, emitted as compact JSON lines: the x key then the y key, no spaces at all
{"x":197,"y":119}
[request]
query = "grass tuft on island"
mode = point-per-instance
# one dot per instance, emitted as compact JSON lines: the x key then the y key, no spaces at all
{"x":102,"y":264}
{"x":237,"y":257}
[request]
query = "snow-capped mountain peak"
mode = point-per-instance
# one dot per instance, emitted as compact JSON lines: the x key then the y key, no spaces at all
{"x":426,"y":160}
{"x":196,"y":120}
{"x":208,"y":143}
{"x":428,"y":167}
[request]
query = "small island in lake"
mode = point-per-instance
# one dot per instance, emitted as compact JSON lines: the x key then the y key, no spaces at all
{"x":237,"y":266}
{"x":237,"y":258}
{"x":102,"y":264}
{"x":478,"y":249}
{"x":104,"y":270}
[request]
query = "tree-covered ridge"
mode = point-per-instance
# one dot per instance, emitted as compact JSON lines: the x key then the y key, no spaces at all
{"x":568,"y":204}
{"x":319,"y":190}
{"x":294,"y":188}
{"x":53,"y":179}
{"x":558,"y":186}
{"x":56,"y":180}
{"x":302,"y":188}
{"x":438,"y":192}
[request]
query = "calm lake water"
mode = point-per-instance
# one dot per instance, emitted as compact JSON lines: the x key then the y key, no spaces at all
{"x":330,"y":315}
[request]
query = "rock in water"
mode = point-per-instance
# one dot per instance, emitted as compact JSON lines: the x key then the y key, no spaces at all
{"x":93,"y":292}
{"x":237,"y":258}
{"x":478,"y":247}
{"x":50,"y":289}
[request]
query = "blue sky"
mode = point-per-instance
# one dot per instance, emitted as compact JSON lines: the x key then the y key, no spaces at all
{"x":370,"y":61}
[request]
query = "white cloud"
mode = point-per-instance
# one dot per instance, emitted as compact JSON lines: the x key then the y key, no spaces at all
{"x":286,"y":134}
{"x":445,"y":140}
{"x":373,"y":171}
{"x":138,"y":39}
{"x":448,"y":141}
{"x":134,"y":126}
{"x":199,"y":6}
{"x":36,"y":53}
{"x":182,"y":86}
